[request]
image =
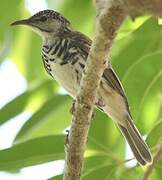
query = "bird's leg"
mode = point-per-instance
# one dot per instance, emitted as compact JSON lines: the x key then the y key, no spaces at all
{"x":72,"y":109}
{"x":94,"y":113}
{"x":66,"y":142}
{"x":100,"y":104}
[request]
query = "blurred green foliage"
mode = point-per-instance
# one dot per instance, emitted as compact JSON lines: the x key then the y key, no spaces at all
{"x":136,"y":57}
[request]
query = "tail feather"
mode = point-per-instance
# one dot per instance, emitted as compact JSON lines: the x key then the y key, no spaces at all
{"x":139,"y":147}
{"x":132,"y":146}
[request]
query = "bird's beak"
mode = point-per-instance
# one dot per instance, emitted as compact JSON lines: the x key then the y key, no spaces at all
{"x":21,"y":22}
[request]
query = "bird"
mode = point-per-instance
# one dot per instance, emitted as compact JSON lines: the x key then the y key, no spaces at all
{"x":64,"y":55}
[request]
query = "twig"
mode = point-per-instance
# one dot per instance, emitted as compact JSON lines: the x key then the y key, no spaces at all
{"x":150,"y":168}
{"x":108,"y":21}
{"x":136,"y":8}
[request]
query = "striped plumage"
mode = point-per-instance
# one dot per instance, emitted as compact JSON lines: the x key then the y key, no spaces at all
{"x":64,"y":54}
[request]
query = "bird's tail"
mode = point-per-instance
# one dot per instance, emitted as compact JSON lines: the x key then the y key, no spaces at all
{"x":139,"y":148}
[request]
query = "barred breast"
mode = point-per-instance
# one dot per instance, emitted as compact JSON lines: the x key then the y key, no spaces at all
{"x":64,"y":63}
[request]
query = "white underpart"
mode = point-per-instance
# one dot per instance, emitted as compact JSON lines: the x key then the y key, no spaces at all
{"x":65,"y":75}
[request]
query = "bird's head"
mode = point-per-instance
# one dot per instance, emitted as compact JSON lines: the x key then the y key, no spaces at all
{"x":45,"y":22}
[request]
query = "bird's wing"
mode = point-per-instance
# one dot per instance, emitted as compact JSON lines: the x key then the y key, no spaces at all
{"x":109,"y":76}
{"x":82,"y":42}
{"x":112,"y":80}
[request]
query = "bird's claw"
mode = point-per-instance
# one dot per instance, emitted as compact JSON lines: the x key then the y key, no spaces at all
{"x":66,"y":142}
{"x":93,"y":114}
{"x":72,"y":109}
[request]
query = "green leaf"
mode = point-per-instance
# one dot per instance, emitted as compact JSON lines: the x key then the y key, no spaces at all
{"x":17,"y":105}
{"x":78,"y":15}
{"x":145,"y":100}
{"x":57,"y":121}
{"x":60,"y":177}
{"x":100,"y":137}
{"x":32,"y":152}
{"x":155,"y":134}
{"x":104,"y":172}
{"x":158,"y":173}
{"x":42,"y":117}
{"x":143,"y":41}
{"x":29,"y":58}
{"x":95,"y":163}
{"x":129,"y":26}
{"x":33,"y":59}
{"x":134,"y":173}
{"x":13,"y":11}
{"x":14,"y":107}
{"x":4,"y":46}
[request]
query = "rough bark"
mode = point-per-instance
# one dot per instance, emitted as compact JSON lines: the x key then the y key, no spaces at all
{"x":141,"y":7}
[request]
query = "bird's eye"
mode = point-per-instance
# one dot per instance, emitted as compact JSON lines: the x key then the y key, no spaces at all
{"x":43,"y":18}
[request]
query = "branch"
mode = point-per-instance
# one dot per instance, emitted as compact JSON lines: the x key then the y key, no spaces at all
{"x":141,"y":7}
{"x":157,"y":157}
{"x":108,"y":21}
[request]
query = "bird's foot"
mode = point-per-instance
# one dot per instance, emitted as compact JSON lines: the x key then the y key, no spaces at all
{"x":94,"y":113}
{"x":72,"y":109}
{"x":66,"y":142}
